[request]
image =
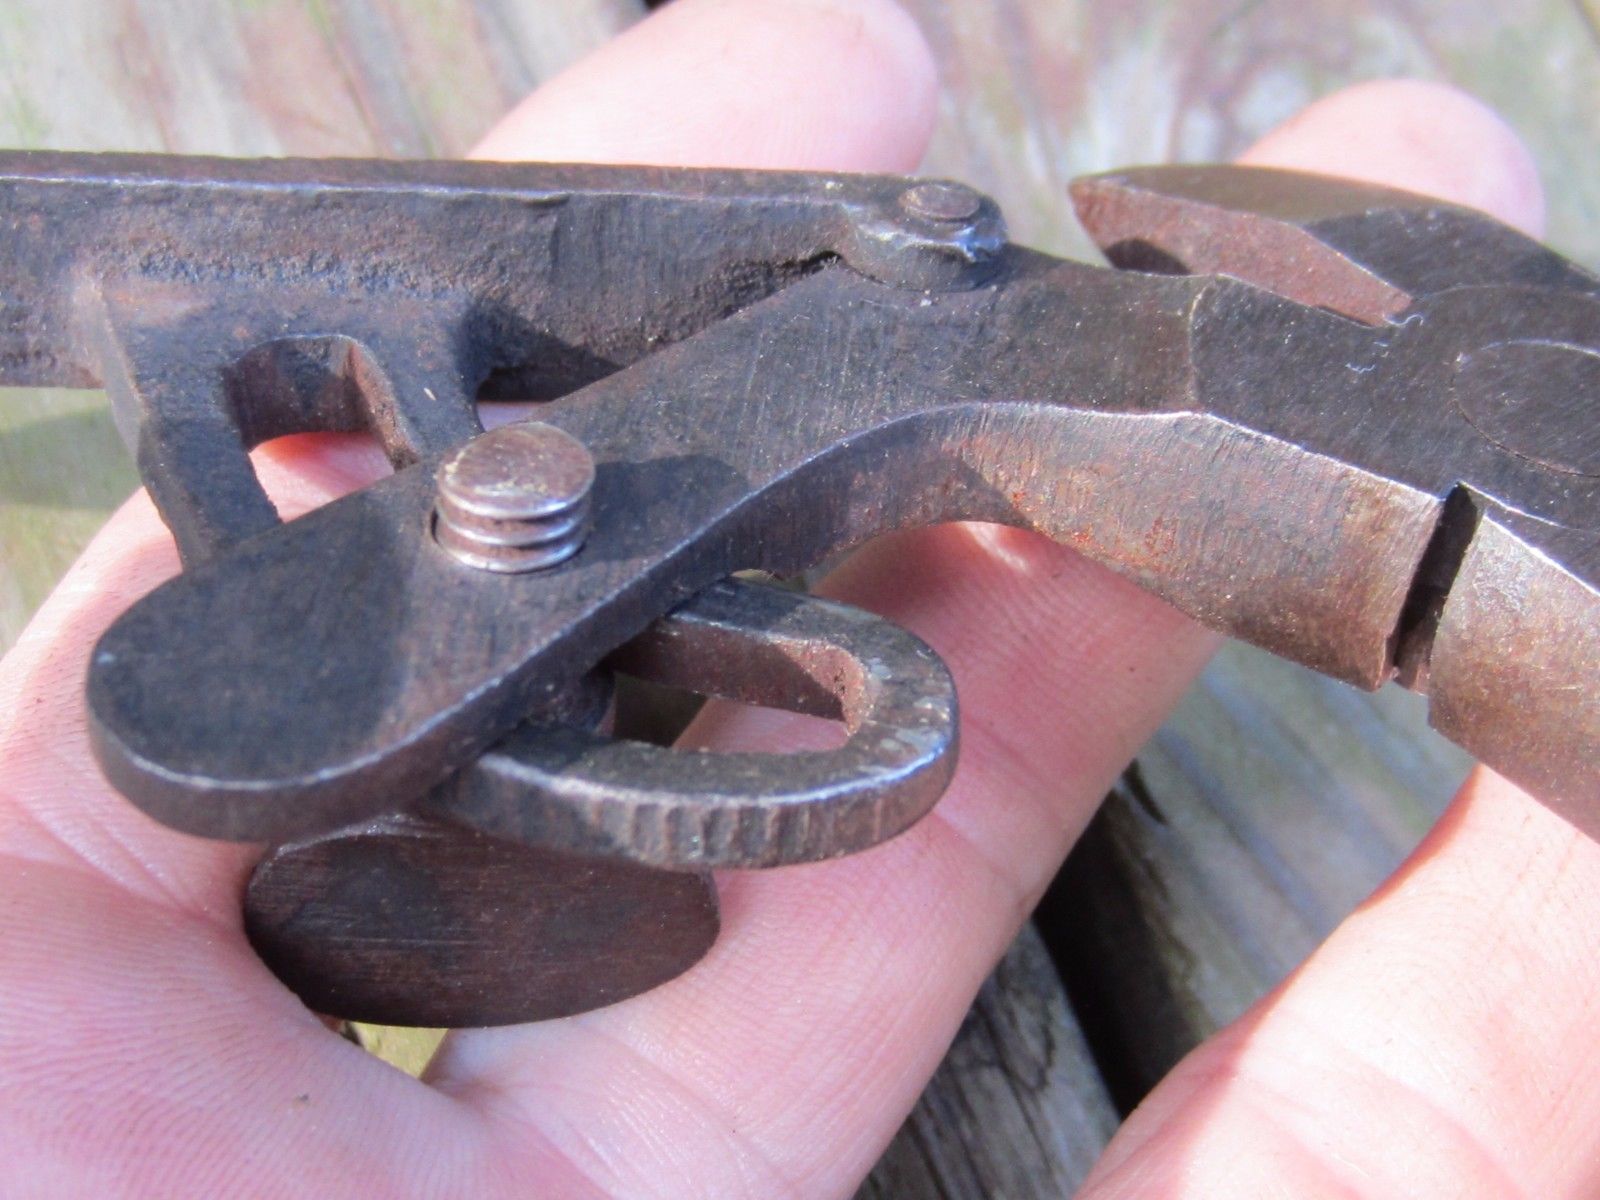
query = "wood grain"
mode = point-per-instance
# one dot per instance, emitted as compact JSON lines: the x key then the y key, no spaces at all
{"x":1038,"y":91}
{"x":1017,"y":1110}
{"x":1273,"y":801}
{"x":1270,"y":804}
{"x":1268,"y":807}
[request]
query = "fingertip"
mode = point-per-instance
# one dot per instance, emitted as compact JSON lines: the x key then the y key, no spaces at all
{"x":844,"y":85}
{"x":1416,"y":135}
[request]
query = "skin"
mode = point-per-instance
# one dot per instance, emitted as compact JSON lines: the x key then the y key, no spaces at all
{"x":1439,"y":1044}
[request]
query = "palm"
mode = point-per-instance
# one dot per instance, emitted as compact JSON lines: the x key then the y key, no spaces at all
{"x":1427,"y":1049}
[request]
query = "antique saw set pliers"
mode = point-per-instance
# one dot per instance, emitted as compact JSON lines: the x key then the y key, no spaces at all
{"x":1353,"y":426}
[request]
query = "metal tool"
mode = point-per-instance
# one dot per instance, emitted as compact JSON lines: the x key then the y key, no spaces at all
{"x":1353,"y":426}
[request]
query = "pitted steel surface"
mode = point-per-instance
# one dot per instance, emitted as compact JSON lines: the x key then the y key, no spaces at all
{"x":1353,"y":426}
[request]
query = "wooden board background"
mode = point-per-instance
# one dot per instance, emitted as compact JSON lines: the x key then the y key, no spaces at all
{"x":1269,"y":805}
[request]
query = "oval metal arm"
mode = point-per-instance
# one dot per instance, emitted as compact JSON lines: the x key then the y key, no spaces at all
{"x":567,"y":788}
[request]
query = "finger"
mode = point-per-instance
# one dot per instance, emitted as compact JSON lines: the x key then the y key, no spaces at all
{"x":1388,"y":132}
{"x":853,"y":95}
{"x":804,"y":82}
{"x":54,"y":805}
{"x":1441,"y":1042}
{"x":129,"y":1024}
{"x":794,"y":1051}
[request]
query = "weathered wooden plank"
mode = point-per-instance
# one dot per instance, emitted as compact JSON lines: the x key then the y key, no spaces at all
{"x":1038,"y":91}
{"x":1273,"y":801}
{"x":1017,"y":1110}
{"x":1281,"y":798}
{"x":1270,"y":805}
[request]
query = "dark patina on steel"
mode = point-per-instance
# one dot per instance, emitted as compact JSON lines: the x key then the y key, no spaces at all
{"x":1353,"y":426}
{"x":571,"y":789}
{"x":406,"y":921}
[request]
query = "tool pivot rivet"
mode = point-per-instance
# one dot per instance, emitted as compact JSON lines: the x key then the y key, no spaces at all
{"x":941,"y":202}
{"x":514,"y":499}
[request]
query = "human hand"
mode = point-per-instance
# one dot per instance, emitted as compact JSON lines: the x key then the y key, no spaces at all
{"x":1441,"y":1043}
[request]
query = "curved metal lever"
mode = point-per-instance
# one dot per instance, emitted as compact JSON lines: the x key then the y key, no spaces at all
{"x":1346,"y":443}
{"x":567,"y":788}
{"x":1497,"y":343}
{"x":557,"y":901}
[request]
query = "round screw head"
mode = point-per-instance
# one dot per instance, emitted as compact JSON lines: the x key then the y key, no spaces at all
{"x":940,"y":201}
{"x":515,"y":499}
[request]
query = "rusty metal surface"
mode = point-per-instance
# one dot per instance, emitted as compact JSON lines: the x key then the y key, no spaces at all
{"x":407,"y":921}
{"x":1352,"y":426}
{"x":570,"y":789}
